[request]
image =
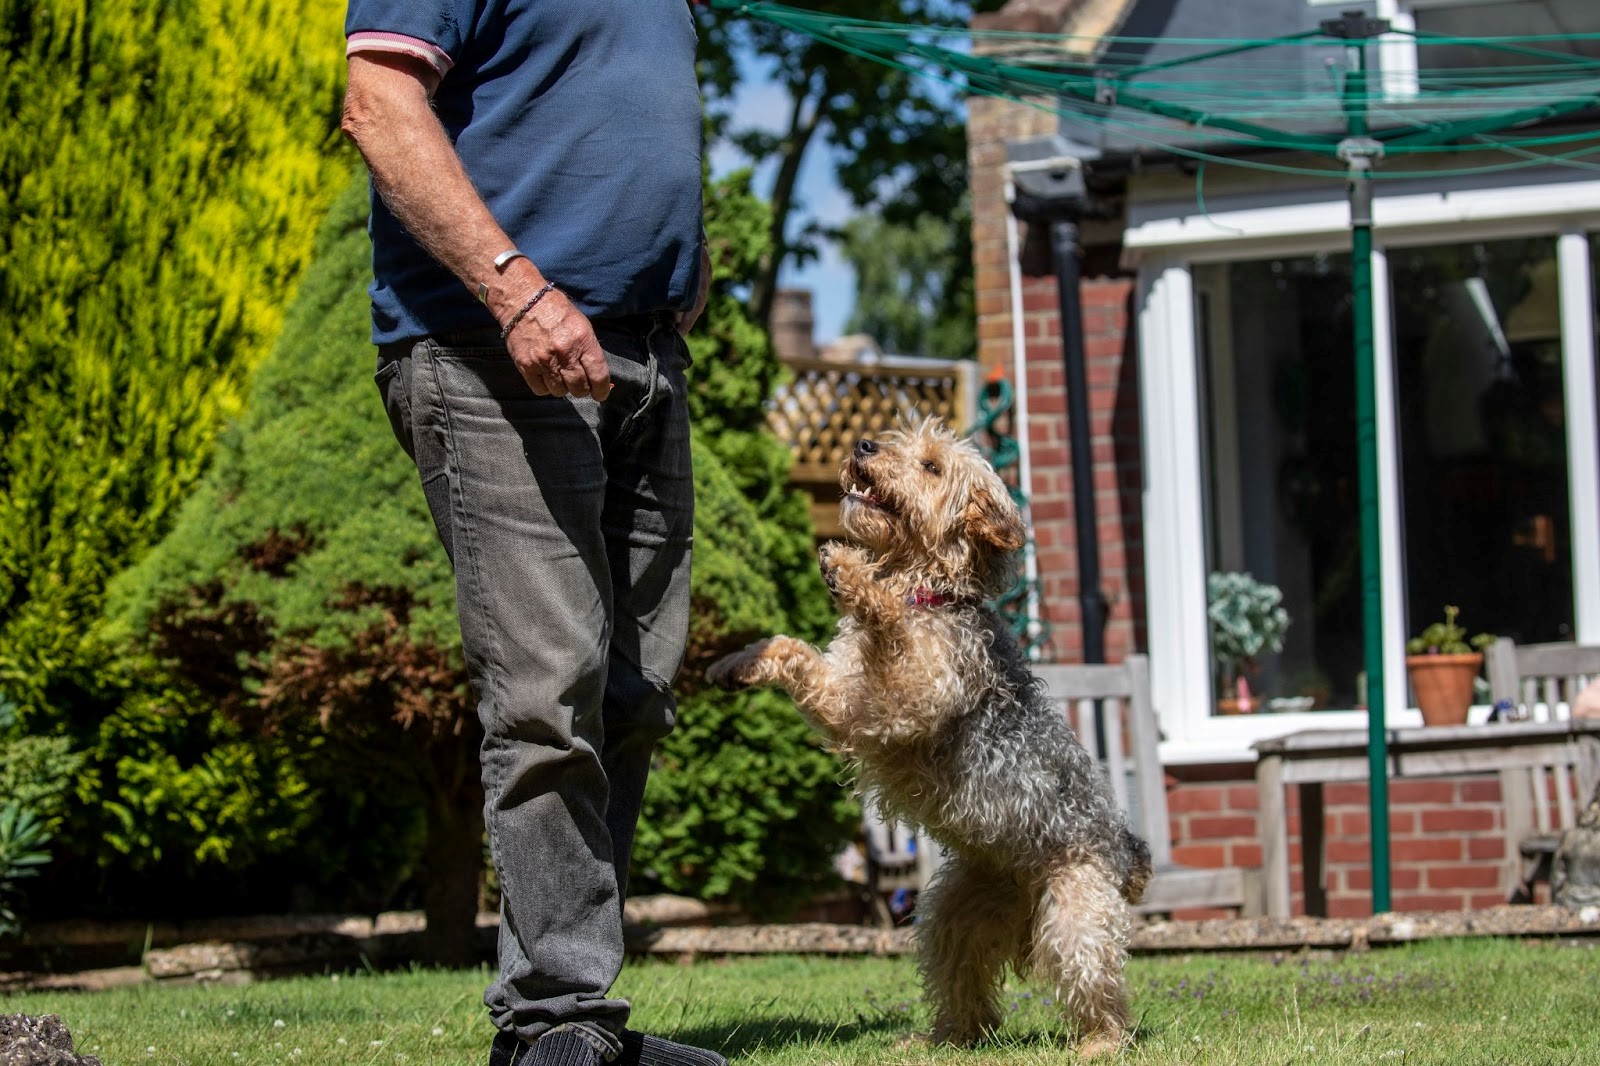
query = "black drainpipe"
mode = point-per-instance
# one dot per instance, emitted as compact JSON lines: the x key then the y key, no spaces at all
{"x":1052,"y":192}
{"x":1067,"y":258}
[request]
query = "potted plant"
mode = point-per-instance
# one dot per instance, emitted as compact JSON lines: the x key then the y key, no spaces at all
{"x":1247,"y":618}
{"x":1443,"y":662}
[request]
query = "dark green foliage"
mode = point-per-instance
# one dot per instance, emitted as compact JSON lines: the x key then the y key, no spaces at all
{"x":22,"y":839}
{"x":36,"y":775}
{"x":162,"y":168}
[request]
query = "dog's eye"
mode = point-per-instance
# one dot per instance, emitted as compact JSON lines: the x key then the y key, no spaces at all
{"x":930,"y":466}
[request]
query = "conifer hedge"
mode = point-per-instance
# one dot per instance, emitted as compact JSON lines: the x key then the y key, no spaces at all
{"x":163,"y":168}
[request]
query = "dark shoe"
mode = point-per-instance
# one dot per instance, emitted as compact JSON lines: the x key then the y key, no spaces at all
{"x":563,"y":1047}
{"x":641,"y":1050}
{"x":559,"y":1047}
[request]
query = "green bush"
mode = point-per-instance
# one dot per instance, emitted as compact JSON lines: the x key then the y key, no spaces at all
{"x":22,"y":839}
{"x":162,"y":170}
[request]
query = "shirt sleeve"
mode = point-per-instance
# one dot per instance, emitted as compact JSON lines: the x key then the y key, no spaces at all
{"x":431,"y":30}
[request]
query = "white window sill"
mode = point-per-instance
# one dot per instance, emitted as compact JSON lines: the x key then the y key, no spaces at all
{"x":1227,"y":738}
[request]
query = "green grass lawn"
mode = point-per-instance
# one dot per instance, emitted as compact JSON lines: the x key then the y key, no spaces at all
{"x":1444,"y":1002}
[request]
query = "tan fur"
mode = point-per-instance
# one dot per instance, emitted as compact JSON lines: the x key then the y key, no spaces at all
{"x":925,"y":689}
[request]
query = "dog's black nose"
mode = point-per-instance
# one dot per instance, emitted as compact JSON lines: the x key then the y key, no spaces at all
{"x":866,"y":447}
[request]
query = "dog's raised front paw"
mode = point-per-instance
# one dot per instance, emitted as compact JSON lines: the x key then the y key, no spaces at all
{"x":841,"y":564}
{"x":739,"y":670}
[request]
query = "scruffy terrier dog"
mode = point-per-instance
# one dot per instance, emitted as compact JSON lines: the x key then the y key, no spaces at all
{"x":929,"y":695}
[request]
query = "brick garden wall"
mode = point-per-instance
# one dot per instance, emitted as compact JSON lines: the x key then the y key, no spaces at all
{"x":1447,"y":839}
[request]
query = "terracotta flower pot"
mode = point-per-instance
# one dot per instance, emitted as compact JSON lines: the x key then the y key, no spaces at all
{"x":1443,"y":684}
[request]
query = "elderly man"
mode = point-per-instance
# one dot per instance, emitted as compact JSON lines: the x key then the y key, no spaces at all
{"x":537,"y":251}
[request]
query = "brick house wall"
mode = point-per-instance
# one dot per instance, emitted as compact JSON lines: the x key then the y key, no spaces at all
{"x":1112,"y":368}
{"x":1448,"y":843}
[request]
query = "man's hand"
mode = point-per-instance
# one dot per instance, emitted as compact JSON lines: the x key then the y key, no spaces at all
{"x":554,"y":347}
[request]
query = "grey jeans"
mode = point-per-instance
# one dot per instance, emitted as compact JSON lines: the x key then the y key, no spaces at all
{"x":569,"y":524}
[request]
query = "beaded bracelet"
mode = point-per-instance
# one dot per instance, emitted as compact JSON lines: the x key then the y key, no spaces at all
{"x":511,"y":324}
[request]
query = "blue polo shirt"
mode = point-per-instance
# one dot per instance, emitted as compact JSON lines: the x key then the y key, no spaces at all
{"x":578,"y":122}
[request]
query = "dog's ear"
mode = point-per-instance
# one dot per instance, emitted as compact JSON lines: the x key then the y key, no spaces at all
{"x":993,"y":520}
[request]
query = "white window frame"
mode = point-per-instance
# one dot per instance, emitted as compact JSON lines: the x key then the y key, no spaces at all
{"x":1165,"y":238}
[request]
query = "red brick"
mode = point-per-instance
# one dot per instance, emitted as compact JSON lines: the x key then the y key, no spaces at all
{"x":1224,"y":826}
{"x":1243,"y":798}
{"x":1481,"y":790}
{"x":1402,"y":823}
{"x":1200,"y":914}
{"x":1205,"y":856}
{"x":1402,"y":878}
{"x":1423,"y":901}
{"x":1427,"y":849}
{"x":1341,"y":793}
{"x":1486,"y":848}
{"x":1422,"y":791}
{"x":1459,"y":820}
{"x":1482,"y":900}
{"x":1349,"y":851}
{"x":1352,"y":823}
{"x":1447,"y":877}
{"x":1245,"y":855}
{"x":1185,"y":799}
{"x":1348,"y":907}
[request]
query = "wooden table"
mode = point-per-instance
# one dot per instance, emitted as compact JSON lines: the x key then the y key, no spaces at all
{"x":1313,"y":757}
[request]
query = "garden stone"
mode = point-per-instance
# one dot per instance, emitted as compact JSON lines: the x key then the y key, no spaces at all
{"x":43,"y":1041}
{"x":1575,"y":870}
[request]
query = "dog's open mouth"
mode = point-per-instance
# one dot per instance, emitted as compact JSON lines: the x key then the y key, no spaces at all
{"x":859,"y":487}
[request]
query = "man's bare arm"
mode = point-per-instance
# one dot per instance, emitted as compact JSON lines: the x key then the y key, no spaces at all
{"x":417,"y":172}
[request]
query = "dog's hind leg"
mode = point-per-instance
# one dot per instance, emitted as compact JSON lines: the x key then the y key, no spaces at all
{"x":970,"y":922}
{"x":1080,"y":940}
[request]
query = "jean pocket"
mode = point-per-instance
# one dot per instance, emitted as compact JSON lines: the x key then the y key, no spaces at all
{"x":394,"y":388}
{"x":652,"y":390}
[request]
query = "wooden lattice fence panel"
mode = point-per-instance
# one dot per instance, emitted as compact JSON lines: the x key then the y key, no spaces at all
{"x":826,"y":406}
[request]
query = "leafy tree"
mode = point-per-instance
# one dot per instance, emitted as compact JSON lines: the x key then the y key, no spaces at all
{"x":900,"y":139}
{"x":913,"y":284}
{"x":162,"y":170}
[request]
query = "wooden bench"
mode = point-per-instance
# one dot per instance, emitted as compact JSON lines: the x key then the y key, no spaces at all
{"x":1109,"y":707}
{"x":1538,"y":682}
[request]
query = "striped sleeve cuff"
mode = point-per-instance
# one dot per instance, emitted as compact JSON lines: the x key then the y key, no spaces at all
{"x":400,"y":44}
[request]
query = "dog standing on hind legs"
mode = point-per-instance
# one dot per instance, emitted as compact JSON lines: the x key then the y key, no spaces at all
{"x":925,"y":690}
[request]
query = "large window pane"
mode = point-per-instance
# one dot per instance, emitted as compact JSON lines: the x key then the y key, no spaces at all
{"x":1281,"y":469}
{"x":1482,"y":436}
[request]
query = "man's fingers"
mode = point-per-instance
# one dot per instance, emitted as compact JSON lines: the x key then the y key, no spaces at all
{"x":596,"y":371}
{"x":571,"y":375}
{"x":535,"y":377}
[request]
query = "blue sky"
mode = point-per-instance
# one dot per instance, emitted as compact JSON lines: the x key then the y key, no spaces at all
{"x":762,"y":104}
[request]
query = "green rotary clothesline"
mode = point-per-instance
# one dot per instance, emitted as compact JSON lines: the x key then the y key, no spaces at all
{"x":1306,"y":104}
{"x":1208,"y":98}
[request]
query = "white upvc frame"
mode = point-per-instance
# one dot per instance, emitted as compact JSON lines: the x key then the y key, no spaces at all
{"x":1164,"y":239}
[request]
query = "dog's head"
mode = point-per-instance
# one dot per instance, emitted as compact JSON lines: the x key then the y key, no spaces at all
{"x":926,"y":502}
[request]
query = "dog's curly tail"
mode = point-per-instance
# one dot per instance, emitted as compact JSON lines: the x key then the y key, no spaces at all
{"x":1138,"y":868}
